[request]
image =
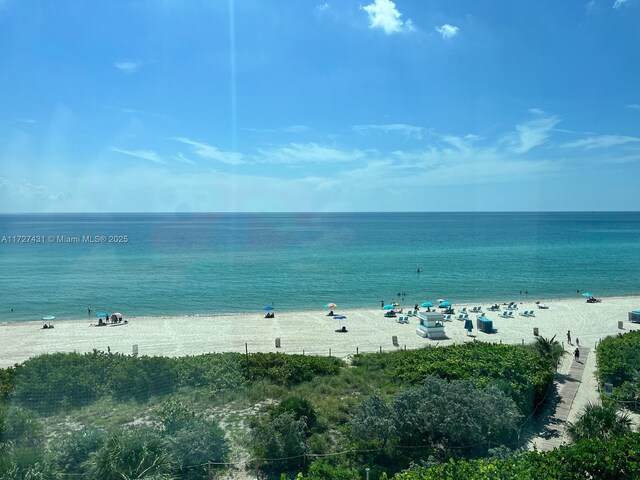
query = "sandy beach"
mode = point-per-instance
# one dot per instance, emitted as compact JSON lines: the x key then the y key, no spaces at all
{"x":311,"y":332}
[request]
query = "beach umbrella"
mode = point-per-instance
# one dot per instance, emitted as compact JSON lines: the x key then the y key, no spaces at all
{"x":587,"y":294}
{"x":330,"y":305}
{"x":48,"y":317}
{"x":101,"y":315}
{"x":444,"y":304}
{"x":426,"y":304}
{"x":268,"y":308}
{"x":339,"y":317}
{"x":117,"y":314}
{"x":388,"y":307}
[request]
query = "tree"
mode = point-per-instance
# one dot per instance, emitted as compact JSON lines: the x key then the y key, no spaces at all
{"x":602,"y":422}
{"x":280,"y":443}
{"x":550,"y":349}
{"x":455,"y":414}
{"x":374,"y":422}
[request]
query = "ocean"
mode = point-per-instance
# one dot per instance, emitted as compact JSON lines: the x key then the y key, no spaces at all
{"x":208,"y":264}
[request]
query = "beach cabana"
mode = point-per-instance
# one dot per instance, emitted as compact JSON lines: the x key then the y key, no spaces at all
{"x":634,"y":316}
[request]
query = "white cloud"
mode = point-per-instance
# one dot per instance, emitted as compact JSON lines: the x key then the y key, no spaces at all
{"x":384,"y":14}
{"x":127,"y":66}
{"x":305,"y":153}
{"x":409,"y":131}
{"x":321,"y":8}
{"x":447,"y":31}
{"x":143,"y":154}
{"x":212,"y":153}
{"x":635,"y":106}
{"x":601,"y":141}
{"x":531,"y":134}
{"x":620,"y":3}
{"x":182,"y":159}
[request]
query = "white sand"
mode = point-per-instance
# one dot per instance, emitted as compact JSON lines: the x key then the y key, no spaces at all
{"x":311,"y":331}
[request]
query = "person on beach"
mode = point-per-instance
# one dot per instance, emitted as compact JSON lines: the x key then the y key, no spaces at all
{"x":381,"y":303}
{"x":576,"y":354}
{"x":569,"y":337}
{"x":88,"y":311}
{"x":577,"y":342}
{"x":416,"y":307}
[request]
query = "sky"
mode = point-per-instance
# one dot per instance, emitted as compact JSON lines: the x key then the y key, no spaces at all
{"x":319,"y":106}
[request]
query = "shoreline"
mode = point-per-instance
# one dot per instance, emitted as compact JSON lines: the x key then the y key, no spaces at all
{"x":215,"y":314}
{"x":309,"y":331}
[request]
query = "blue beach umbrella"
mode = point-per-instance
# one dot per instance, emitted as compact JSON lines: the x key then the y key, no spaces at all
{"x":339,"y":317}
{"x":48,"y":317}
{"x":426,"y":304}
{"x":388,"y":307}
{"x":444,"y":304}
{"x":267,"y":308}
{"x":587,"y":294}
{"x":101,"y":315}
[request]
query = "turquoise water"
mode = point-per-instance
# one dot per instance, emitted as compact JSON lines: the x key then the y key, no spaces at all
{"x":225,"y":263}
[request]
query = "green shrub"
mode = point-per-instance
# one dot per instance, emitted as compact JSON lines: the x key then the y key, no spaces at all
{"x":619,"y":364}
{"x":195,"y":445}
{"x":26,"y":463}
{"x":282,"y":438}
{"x":20,"y":426}
{"x":526,"y":374}
{"x":175,"y":415}
{"x":300,"y":407}
{"x":603,"y":422}
{"x":71,"y":453}
{"x":131,"y":453}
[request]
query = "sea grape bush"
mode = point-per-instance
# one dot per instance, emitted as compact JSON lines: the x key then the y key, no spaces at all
{"x":62,"y":381}
{"x":520,"y":371}
{"x":619,"y":364}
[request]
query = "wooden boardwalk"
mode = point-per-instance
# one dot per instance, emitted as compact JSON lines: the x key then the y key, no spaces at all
{"x":554,"y":434}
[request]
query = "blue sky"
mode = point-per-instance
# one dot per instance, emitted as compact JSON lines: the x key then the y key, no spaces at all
{"x":295,"y":105}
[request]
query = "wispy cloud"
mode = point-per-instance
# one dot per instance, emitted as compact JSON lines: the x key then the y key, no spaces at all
{"x":143,"y":154}
{"x":127,"y":66}
{"x":182,"y":159}
{"x":635,"y":106}
{"x":532,"y":133}
{"x":212,"y":153}
{"x":620,"y":3}
{"x":321,"y":8}
{"x":409,"y":131}
{"x":305,"y":153}
{"x":383,"y":14}
{"x":601,"y":141}
{"x":447,"y":31}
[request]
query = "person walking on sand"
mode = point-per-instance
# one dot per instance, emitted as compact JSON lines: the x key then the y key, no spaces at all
{"x":576,"y":354}
{"x":577,"y":342}
{"x":569,"y":337}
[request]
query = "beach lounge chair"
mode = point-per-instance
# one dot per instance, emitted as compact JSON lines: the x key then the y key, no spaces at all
{"x":532,"y":313}
{"x":460,"y":317}
{"x":481,"y":315}
{"x":406,"y":320}
{"x":542,"y":306}
{"x":463,"y":310}
{"x":506,"y":314}
{"x":524,"y":313}
{"x":447,"y":318}
{"x":394,"y":340}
